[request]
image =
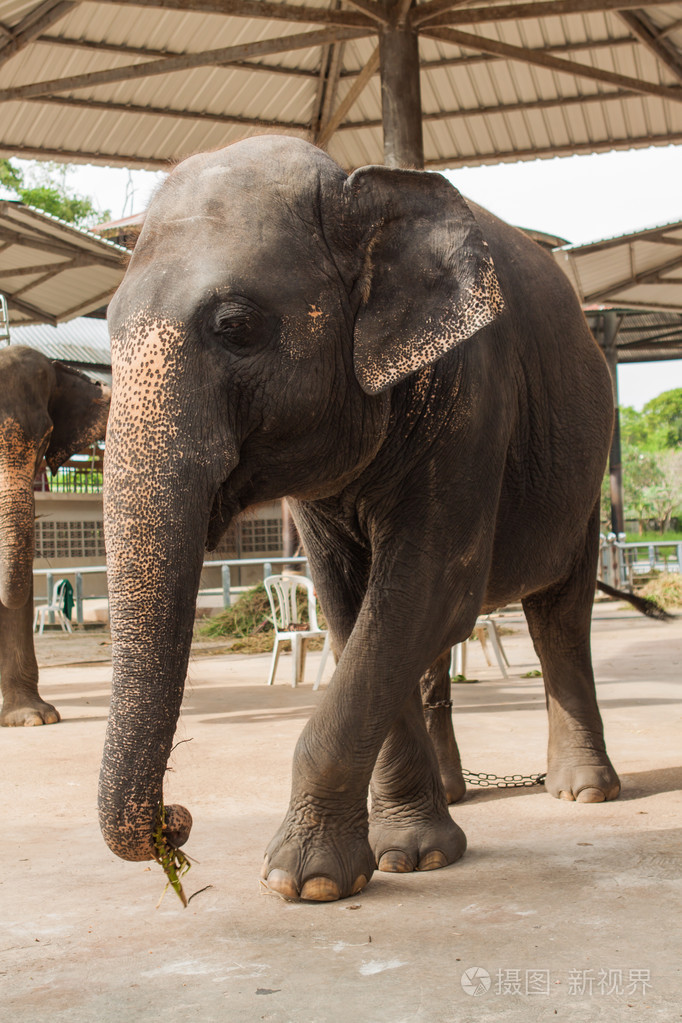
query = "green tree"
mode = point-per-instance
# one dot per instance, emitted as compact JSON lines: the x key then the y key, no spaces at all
{"x":634,"y":428}
{"x":46,"y":188}
{"x":663,"y":416}
{"x":641,"y":477}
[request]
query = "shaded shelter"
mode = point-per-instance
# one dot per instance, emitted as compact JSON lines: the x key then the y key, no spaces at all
{"x":439,"y":83}
{"x":51,"y":271}
{"x":630,"y":288}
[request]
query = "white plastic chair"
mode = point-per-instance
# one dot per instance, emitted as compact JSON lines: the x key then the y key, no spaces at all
{"x":55,"y":607}
{"x":485,"y":629}
{"x":281,"y":591}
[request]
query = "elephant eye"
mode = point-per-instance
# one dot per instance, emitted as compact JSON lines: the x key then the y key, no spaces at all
{"x":236,"y":322}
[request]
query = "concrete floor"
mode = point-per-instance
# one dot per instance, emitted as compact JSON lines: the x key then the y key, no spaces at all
{"x":572,"y":910}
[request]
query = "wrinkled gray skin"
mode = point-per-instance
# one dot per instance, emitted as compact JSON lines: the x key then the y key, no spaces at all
{"x":46,"y":411}
{"x":284,"y":329}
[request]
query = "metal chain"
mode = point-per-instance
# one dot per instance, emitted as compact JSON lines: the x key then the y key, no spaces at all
{"x":509,"y":781}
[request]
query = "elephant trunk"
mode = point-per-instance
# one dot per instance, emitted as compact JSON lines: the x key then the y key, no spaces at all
{"x":154,"y":559}
{"x":17,"y":540}
{"x":158,"y":491}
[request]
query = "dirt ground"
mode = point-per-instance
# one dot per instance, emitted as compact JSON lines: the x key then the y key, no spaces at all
{"x":558,"y":911}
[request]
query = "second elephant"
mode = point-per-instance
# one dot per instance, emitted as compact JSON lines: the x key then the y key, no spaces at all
{"x":47,"y":410}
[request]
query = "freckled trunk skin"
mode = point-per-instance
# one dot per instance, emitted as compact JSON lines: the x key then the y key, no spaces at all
{"x":156,"y":506}
{"x":17,"y":539}
{"x":154,"y":564}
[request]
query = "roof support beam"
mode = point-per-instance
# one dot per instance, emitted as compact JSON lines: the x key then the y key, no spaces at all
{"x":71,"y":264}
{"x":187,"y":115}
{"x":521,"y":11}
{"x":40,"y":280}
{"x":40,"y":18}
{"x":130,"y":72}
{"x":328,"y":85}
{"x":371,"y":8}
{"x":141,"y":51}
{"x":259,"y":9}
{"x":546,"y":60}
{"x":43,"y":242}
{"x":509,"y":108}
{"x":30,"y":310}
{"x":672,"y":27}
{"x":641,"y":25}
{"x":92,"y":303}
{"x":292,"y":72}
{"x":358,"y":86}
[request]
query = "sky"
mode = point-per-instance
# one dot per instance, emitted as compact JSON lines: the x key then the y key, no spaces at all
{"x":578,"y":198}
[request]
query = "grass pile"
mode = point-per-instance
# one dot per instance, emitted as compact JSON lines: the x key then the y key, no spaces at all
{"x":665,"y":589}
{"x":248,"y":622}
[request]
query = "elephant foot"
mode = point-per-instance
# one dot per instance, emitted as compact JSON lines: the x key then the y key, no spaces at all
{"x":453,"y":782}
{"x":35,"y":713}
{"x":583,"y":783}
{"x":317,"y":859}
{"x":401,"y":846}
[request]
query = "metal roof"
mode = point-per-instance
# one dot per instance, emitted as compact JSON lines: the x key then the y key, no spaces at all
{"x":640,"y":337}
{"x":641,"y":270}
{"x":51,"y":271}
{"x":83,"y":341}
{"x":142,"y":82}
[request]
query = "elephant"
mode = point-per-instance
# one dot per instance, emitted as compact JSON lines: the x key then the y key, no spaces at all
{"x":47,"y":410}
{"x":417,"y":377}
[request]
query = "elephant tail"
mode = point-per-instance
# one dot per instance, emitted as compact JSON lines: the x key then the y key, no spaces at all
{"x":644,"y":605}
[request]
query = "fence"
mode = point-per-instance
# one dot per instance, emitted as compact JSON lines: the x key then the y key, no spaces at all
{"x":619,"y":564}
{"x":622,"y":563}
{"x":75,"y":576}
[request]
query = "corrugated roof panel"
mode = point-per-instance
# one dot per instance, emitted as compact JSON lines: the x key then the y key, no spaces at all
{"x":472,"y":79}
{"x":81,"y":340}
{"x":640,"y":269}
{"x":57,"y":289}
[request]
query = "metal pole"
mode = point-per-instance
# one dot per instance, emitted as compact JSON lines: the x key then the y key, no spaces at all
{"x":49,"y":583}
{"x":400,"y":90}
{"x":79,"y":598}
{"x":611,"y":325}
{"x":227,"y":599}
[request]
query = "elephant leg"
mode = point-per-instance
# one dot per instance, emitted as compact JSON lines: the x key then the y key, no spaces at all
{"x":22,"y":704}
{"x":410,"y":827}
{"x":435,"y":688}
{"x":559,"y":619}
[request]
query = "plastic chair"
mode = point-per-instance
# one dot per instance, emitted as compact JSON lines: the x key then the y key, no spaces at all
{"x":55,"y":607}
{"x":484,"y":629}
{"x":282,"y":591}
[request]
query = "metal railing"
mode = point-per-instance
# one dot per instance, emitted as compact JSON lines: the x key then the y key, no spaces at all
{"x":69,"y":480}
{"x":621,"y":563}
{"x":75,"y":576}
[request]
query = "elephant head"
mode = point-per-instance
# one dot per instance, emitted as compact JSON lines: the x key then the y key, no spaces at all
{"x":49,"y":411}
{"x":270,"y":307}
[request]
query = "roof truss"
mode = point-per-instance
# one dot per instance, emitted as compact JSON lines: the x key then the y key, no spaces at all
{"x":337,"y":107}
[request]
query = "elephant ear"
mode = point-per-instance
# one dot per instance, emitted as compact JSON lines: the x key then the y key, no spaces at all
{"x":428,"y":281}
{"x":79,"y":409}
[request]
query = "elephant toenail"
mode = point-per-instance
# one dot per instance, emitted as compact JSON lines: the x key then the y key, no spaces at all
{"x":591,"y":795}
{"x":358,"y":884}
{"x":394,"y":861}
{"x":566,"y":795}
{"x":320,"y":889}
{"x":281,"y":883}
{"x":433,"y":860}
